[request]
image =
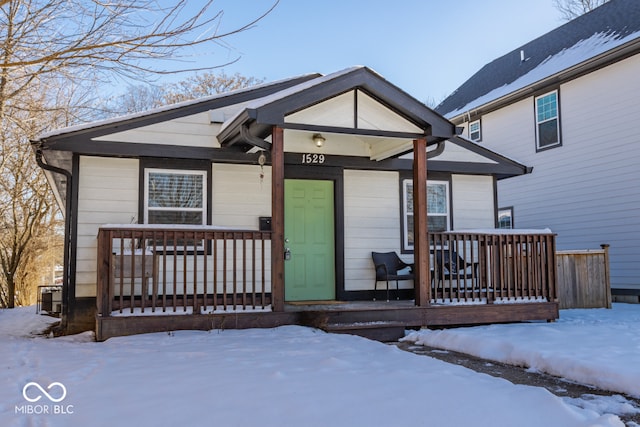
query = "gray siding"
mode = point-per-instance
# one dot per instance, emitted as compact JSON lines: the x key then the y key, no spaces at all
{"x":587,"y":190}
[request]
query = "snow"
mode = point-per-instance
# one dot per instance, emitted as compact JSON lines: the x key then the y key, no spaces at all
{"x":597,"y":347}
{"x":582,"y":51}
{"x":260,"y":102}
{"x":504,"y":231}
{"x":297,"y":376}
{"x":162,"y":109}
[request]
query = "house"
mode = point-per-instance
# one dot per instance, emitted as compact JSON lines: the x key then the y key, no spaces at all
{"x":262,"y":207}
{"x":565,"y":104}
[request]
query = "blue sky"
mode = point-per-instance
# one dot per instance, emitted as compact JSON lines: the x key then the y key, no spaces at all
{"x":426,"y":47}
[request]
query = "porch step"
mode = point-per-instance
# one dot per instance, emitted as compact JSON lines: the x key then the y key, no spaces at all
{"x":380,"y":331}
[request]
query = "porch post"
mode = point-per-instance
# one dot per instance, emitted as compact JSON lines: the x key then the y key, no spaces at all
{"x":421,"y":271}
{"x":277,"y":219}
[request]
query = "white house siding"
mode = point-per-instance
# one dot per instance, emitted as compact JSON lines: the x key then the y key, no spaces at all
{"x":107,"y":194}
{"x":238,"y":197}
{"x":586,"y":190}
{"x":372,"y":223}
{"x":473,"y":202}
{"x":195,"y":130}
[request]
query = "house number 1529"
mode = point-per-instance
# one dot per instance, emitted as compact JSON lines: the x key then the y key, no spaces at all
{"x":312,"y":158}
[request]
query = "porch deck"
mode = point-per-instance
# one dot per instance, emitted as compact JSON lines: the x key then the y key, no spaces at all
{"x":153,"y":279}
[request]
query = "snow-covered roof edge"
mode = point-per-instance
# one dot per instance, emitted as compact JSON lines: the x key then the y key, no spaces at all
{"x":162,"y":109}
{"x":493,"y":84}
{"x":581,"y":52}
{"x":260,"y":102}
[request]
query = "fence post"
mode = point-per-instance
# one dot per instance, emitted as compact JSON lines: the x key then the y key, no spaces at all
{"x":104,"y":272}
{"x":605,"y":248}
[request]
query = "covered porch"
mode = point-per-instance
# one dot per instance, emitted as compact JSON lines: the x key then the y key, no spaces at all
{"x":219,"y":196}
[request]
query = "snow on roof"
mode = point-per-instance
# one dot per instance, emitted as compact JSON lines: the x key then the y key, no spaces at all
{"x":162,"y":109}
{"x":260,"y":102}
{"x":580,"y":52}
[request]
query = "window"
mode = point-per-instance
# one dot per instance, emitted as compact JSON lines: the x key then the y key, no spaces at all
{"x":175,"y":196}
{"x":547,"y":121}
{"x":437,"y":209}
{"x":505,"y":218}
{"x":475,"y":132}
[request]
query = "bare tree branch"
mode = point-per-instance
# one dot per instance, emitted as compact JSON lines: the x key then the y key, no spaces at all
{"x":570,"y":9}
{"x":53,"y":53}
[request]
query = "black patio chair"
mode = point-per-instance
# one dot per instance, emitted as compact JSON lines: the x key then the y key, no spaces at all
{"x":451,"y":266}
{"x":388,"y":265}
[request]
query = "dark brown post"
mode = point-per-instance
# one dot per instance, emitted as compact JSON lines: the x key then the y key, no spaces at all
{"x":104,"y":293}
{"x":277,"y":219}
{"x":607,"y":275}
{"x":422,"y":281}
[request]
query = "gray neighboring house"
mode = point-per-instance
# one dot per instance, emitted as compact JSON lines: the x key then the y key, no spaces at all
{"x":567,"y":104}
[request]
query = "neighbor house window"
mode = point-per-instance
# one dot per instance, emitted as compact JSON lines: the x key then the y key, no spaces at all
{"x":475,"y":132}
{"x":547,"y":121}
{"x":505,"y":218}
{"x":437,"y":209}
{"x":175,"y":196}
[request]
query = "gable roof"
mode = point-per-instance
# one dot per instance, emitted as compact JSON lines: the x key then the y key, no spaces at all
{"x":607,"y":34}
{"x":98,"y":128}
{"x":263,"y":113}
{"x":353,"y":102}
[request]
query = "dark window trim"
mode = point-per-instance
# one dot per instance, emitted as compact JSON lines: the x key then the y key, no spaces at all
{"x":535,"y":119}
{"x":437,"y":176}
{"x":513,"y":218}
{"x":177,"y":164}
{"x":479,"y":120}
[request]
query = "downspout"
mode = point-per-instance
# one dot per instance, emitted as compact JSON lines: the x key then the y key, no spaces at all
{"x":246,"y":134}
{"x":67,"y":231}
{"x":438,"y":150}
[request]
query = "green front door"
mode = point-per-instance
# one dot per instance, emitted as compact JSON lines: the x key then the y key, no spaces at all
{"x":309,"y":265}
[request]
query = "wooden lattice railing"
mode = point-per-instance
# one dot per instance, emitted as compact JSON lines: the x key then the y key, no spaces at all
{"x":146,"y":269}
{"x":492,"y":268}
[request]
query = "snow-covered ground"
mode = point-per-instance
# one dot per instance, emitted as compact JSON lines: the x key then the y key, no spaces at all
{"x":596,"y":347}
{"x":288,"y":376}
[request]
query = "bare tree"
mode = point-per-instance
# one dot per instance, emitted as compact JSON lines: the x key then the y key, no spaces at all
{"x":205,"y":84}
{"x":145,"y":97}
{"x":53,"y":55}
{"x":571,"y":9}
{"x":28,"y":216}
{"x":136,"y":98}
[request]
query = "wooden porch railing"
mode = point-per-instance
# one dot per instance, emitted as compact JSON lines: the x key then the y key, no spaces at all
{"x":492,"y":268}
{"x":147,"y":269}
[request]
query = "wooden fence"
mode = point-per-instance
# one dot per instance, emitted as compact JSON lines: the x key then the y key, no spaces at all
{"x":583,"y":278}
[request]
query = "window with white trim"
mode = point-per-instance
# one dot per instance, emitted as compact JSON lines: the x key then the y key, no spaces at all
{"x":547,"y":120}
{"x":175,"y":196}
{"x":437,"y":209}
{"x":475,"y":131}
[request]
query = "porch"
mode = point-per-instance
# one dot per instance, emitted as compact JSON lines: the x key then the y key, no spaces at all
{"x":153,"y":278}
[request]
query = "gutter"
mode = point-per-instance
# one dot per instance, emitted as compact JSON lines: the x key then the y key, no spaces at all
{"x":604,"y":59}
{"x":66,"y":297}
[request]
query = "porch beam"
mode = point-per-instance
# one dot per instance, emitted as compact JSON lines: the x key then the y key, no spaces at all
{"x":277,"y":219}
{"x":421,"y":271}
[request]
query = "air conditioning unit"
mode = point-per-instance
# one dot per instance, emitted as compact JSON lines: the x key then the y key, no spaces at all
{"x":50,"y":300}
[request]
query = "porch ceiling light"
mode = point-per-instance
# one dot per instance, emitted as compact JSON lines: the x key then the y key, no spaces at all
{"x":318,"y":139}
